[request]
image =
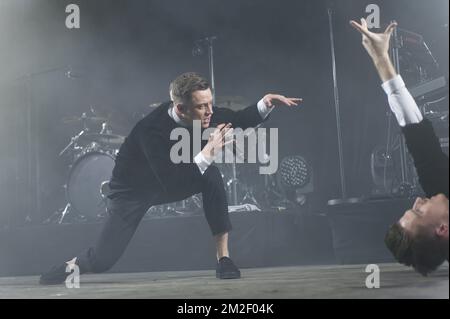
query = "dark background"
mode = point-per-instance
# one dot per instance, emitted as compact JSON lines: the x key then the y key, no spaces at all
{"x":126,"y":53}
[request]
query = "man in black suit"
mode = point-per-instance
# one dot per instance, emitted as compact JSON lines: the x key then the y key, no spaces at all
{"x":146,"y":175}
{"x":420,"y":238}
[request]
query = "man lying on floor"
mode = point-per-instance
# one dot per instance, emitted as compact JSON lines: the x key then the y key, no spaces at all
{"x":420,"y":238}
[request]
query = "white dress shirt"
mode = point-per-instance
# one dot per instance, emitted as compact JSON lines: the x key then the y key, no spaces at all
{"x":401,"y":102}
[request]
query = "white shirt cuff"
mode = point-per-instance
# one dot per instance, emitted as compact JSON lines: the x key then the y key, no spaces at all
{"x":393,"y":85}
{"x":263,"y":109}
{"x":201,"y":162}
{"x":401,"y":102}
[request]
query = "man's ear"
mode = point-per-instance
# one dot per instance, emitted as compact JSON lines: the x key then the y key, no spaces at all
{"x":181,"y":108}
{"x":442,"y":231}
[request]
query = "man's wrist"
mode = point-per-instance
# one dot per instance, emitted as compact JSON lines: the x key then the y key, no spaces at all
{"x":382,"y":59}
{"x":202,"y":162}
{"x":385,"y":68}
{"x":207,"y":153}
{"x":263,"y":109}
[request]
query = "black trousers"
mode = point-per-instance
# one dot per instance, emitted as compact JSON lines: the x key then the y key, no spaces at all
{"x":126,"y":212}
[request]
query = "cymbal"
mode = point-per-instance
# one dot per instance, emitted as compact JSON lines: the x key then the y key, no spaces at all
{"x":235,"y":103}
{"x":106,"y":139}
{"x":90,"y":120}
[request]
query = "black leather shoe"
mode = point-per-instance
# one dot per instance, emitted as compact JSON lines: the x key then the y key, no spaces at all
{"x":226,"y":269}
{"x":55,"y":276}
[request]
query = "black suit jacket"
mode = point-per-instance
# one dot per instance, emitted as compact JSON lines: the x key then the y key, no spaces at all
{"x":430,"y":161}
{"x":143,"y":165}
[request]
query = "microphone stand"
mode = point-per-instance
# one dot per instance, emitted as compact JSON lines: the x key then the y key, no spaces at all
{"x":338,"y":120}
{"x":199,"y":50}
{"x":211,"y":65}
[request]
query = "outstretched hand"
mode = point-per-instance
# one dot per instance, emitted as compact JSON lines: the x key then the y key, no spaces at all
{"x":275,"y":99}
{"x":376,"y":44}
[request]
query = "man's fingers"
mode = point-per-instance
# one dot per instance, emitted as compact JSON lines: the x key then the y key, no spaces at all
{"x":292,"y":101}
{"x":390,"y":28}
{"x":226,"y":128}
{"x":221,"y":127}
{"x":217,"y":131}
{"x":295,"y":101}
{"x":288,"y":102}
{"x":220,"y":133}
{"x":226,"y":133}
{"x":362,"y":28}
{"x":227,"y":142}
{"x":356,"y":25}
{"x":364,"y":24}
{"x":282,"y":99}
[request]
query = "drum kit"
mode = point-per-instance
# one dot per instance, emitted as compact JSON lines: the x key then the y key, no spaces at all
{"x":91,"y":156}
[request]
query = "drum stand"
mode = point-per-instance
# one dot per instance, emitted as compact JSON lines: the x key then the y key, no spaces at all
{"x":273,"y":199}
{"x":65,"y":211}
{"x":233,"y":182}
{"x":232,"y":185}
{"x":249,"y":197}
{"x":59,"y":216}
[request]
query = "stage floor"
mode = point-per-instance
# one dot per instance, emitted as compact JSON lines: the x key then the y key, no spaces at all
{"x":396,"y":281}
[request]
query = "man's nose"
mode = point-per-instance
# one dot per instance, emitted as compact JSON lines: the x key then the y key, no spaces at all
{"x":419,"y":202}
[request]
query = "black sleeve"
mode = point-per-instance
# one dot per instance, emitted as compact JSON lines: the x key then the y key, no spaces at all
{"x":156,"y":148}
{"x":248,"y":117}
{"x":430,"y":161}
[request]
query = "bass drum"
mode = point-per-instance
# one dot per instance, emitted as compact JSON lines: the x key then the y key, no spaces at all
{"x":87,"y":176}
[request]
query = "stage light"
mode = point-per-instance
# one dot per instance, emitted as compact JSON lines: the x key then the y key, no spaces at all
{"x":295,"y":178}
{"x":294,"y":172}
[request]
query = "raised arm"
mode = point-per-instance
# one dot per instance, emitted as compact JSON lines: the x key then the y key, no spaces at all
{"x":377,"y":45}
{"x":423,"y":145}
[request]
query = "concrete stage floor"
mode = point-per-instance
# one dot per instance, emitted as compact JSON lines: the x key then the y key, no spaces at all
{"x":396,"y":281}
